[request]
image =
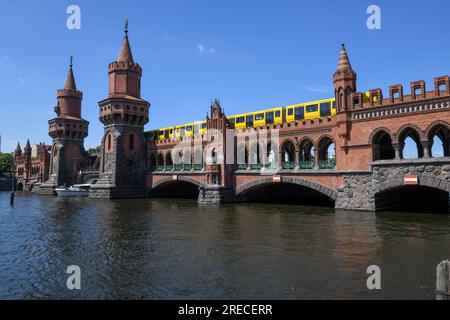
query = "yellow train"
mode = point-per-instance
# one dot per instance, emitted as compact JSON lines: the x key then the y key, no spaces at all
{"x":289,"y":114}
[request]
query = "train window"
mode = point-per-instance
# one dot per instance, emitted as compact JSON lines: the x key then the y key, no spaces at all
{"x":240,"y":119}
{"x":189,"y":128}
{"x":290,"y":112}
{"x":299,"y":113}
{"x":161,"y":133}
{"x":203,"y":125}
{"x":249,"y":121}
{"x":312,"y":108}
{"x":325,"y":109}
{"x":231,"y":120}
{"x":259,"y":116}
{"x":334,"y":105}
{"x":166,"y":134}
{"x":269,"y":117}
{"x":277,"y":114}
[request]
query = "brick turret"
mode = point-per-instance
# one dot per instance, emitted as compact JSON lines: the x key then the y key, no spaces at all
{"x":68,"y":131}
{"x":123,"y":115}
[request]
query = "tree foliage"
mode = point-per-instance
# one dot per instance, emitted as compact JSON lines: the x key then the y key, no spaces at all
{"x":6,"y":163}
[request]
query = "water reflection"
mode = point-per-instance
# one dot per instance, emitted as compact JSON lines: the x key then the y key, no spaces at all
{"x":165,"y":248}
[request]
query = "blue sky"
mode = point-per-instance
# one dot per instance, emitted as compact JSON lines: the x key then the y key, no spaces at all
{"x":249,"y":54}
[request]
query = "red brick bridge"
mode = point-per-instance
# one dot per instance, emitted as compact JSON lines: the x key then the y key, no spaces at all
{"x":354,"y":160}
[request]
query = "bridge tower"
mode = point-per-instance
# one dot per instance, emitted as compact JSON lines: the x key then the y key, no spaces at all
{"x":218,"y":170}
{"x":68,"y":131}
{"x":124,"y":115}
{"x":344,"y":87}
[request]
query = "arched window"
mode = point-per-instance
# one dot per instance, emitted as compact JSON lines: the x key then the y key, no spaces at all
{"x":327,"y":153}
{"x":169,"y":161}
{"x":131,"y":141}
{"x":307,"y":152}
{"x":439,"y":137}
{"x":271,"y":156}
{"x":160,"y":159}
{"x":382,"y":146}
{"x":410,"y":145}
{"x":288,"y":152}
{"x":109,"y":147}
{"x":214,"y":156}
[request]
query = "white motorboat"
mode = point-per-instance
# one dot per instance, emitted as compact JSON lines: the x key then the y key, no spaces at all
{"x":77,"y":190}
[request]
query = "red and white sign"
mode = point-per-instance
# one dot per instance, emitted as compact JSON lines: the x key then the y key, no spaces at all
{"x":175,"y":177}
{"x":277,"y":179}
{"x":411,"y":180}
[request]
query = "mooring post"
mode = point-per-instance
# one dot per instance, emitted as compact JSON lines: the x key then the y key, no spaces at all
{"x":443,"y":281}
{"x":13,"y":177}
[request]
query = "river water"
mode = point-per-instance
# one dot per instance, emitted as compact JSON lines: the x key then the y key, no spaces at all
{"x":176,"y":249}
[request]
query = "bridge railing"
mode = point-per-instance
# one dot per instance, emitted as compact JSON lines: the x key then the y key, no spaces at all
{"x":327,"y":164}
{"x":288,"y":165}
{"x":306,"y":165}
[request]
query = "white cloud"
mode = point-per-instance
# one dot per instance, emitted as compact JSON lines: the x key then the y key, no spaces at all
{"x":23,"y":80}
{"x":201,"y":48}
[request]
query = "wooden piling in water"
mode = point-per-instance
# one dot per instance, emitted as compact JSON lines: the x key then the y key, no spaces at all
{"x":11,"y":198}
{"x":443,"y":281}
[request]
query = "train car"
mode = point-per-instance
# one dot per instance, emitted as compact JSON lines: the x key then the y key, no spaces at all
{"x":295,"y":113}
{"x":240,"y":121}
{"x":154,"y":135}
{"x":200,"y":127}
{"x":268,"y":117}
{"x":166,"y":133}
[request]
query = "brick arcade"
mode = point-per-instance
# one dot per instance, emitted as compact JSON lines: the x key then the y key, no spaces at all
{"x":367,"y":138}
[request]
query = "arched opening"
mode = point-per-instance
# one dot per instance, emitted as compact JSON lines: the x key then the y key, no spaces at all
{"x":169,"y":161}
{"x":271,"y":156}
{"x":131,"y":141}
{"x":176,"y":189}
{"x":20,"y":186}
{"x":307,"y":154}
{"x":108,"y":148}
{"x":214,"y":156}
{"x":439,"y":138}
{"x":327,"y":153}
{"x":286,"y":193}
{"x":254,"y":157}
{"x":288,"y":154}
{"x":160,"y":160}
{"x":413,"y":199}
{"x":382,"y":146}
{"x":410,"y":145}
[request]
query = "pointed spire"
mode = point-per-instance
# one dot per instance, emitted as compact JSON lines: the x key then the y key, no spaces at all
{"x":125,"y":54}
{"x":344,"y":65}
{"x":27,"y":146}
{"x":70,"y":81}
{"x":18,"y":149}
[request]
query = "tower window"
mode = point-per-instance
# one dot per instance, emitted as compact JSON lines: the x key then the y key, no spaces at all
{"x":131,"y":142}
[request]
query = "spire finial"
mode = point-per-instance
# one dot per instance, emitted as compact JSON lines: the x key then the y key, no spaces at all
{"x":71,"y":61}
{"x":343,"y":46}
{"x":126,"y":25}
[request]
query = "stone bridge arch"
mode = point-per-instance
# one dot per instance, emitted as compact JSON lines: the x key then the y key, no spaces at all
{"x":327,"y":191}
{"x":430,"y":194}
{"x":169,"y":180}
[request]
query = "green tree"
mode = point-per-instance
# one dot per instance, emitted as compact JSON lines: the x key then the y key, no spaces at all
{"x":6,"y":163}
